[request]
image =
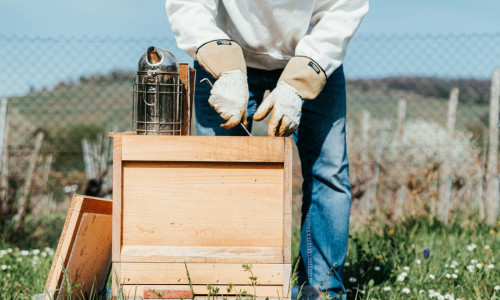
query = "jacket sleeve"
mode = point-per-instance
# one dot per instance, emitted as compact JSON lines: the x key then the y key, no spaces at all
{"x":333,"y":24}
{"x":193,"y":23}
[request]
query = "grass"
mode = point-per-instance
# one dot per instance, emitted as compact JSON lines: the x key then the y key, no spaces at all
{"x":385,"y":261}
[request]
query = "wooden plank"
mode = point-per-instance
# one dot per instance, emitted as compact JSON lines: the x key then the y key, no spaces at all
{"x":287,"y":276}
{"x":260,"y":290}
{"x":200,"y":273}
{"x":117,"y":197}
{"x":287,"y":202}
{"x":194,"y":254}
{"x":84,"y":249}
{"x":203,"y":204}
{"x":202,"y":148}
{"x":112,"y":134}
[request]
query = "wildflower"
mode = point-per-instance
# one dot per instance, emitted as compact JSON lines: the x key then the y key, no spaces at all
{"x":449,"y":297}
{"x":479,"y":266}
{"x":492,"y":232}
{"x":390,"y":232}
{"x":44,"y":254}
{"x":440,"y":297}
{"x":454,"y":276}
{"x":404,"y":274}
{"x":470,"y":268}
{"x":3,"y":267}
{"x":401,"y":278}
{"x":448,"y":276}
{"x":347,"y":264}
{"x":473,"y":261}
{"x":376,"y":268}
{"x":426,"y":253}
{"x":418,"y":261}
{"x":421,"y":292}
{"x":471,"y":247}
{"x":35,"y":252}
{"x":19,"y":259}
{"x":490,"y":266}
{"x":497,"y":287}
{"x":406,"y":268}
{"x":387,"y":288}
{"x":456,"y":271}
{"x":352,"y":279}
{"x":446,"y":265}
{"x":486,"y":247}
{"x":9,"y":250}
{"x":431,"y":276}
{"x":406,"y":291}
{"x":24,"y":252}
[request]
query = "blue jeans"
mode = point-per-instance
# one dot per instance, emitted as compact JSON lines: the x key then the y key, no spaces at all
{"x":320,"y":140}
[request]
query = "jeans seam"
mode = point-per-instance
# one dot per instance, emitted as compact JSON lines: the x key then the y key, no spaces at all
{"x":309,"y":247}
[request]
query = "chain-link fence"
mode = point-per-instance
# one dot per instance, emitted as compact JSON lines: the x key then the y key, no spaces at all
{"x":74,"y":90}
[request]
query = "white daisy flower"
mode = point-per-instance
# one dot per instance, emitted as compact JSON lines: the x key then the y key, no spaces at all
{"x":347,"y":264}
{"x":401,"y":278}
{"x":3,"y":267}
{"x":387,"y":288}
{"x":449,"y":297}
{"x":406,"y":291}
{"x":35,"y":251}
{"x":406,"y":268}
{"x":376,"y":268}
{"x":421,"y":292}
{"x":440,"y":297}
{"x":470,"y":268}
{"x":486,"y":247}
{"x":446,"y":265}
{"x":454,"y":276}
{"x":456,"y":271}
{"x":497,"y":287}
{"x":418,"y":261}
{"x":24,"y":252}
{"x":431,"y":276}
{"x":471,"y":247}
{"x":473,"y":261}
{"x":448,"y":276}
{"x":479,"y":266}
{"x":352,"y":279}
{"x":490,"y":266}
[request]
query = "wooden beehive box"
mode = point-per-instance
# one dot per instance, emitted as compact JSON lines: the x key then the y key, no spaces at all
{"x":214,"y":203}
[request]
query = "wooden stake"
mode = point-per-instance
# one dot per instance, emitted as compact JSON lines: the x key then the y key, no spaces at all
{"x":479,"y":193}
{"x":365,"y":141}
{"x":445,"y":182}
{"x":4,"y":182}
{"x":24,"y":200}
{"x":400,"y":164}
{"x":491,"y":189}
{"x":378,"y":158}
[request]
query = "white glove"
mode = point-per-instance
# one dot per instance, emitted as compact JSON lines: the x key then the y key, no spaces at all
{"x":229,"y":98}
{"x":287,"y":104}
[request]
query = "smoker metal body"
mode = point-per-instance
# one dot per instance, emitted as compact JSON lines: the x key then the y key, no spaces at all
{"x":161,"y":99}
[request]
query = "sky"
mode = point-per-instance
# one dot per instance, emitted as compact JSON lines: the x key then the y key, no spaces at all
{"x":143,"y":19}
{"x":138,"y":18}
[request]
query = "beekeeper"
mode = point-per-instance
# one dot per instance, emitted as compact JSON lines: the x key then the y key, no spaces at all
{"x":295,"y":49}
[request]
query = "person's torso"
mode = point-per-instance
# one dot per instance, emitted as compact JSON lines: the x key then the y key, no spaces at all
{"x":268,"y":31}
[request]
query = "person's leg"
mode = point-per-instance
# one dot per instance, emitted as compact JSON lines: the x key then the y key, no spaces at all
{"x":208,"y":120}
{"x":326,"y":203}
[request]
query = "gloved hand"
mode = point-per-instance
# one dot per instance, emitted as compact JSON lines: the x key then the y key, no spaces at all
{"x":302,"y":78}
{"x":286,"y":103}
{"x":224,"y":60}
{"x":229,"y":98}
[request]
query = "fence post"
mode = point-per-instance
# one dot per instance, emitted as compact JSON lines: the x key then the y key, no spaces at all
{"x":23,"y":200}
{"x":365,"y":141}
{"x":378,"y":158}
{"x":480,"y":187}
{"x":399,"y":150}
{"x":445,"y":178}
{"x":491,"y":189}
{"x":4,"y":160}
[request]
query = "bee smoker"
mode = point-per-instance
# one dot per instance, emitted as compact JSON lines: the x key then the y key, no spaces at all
{"x":162,"y":95}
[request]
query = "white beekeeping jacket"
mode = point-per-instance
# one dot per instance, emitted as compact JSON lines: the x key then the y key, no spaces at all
{"x":270,"y":32}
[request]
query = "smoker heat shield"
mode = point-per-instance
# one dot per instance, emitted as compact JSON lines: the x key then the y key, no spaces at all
{"x":159,"y":104}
